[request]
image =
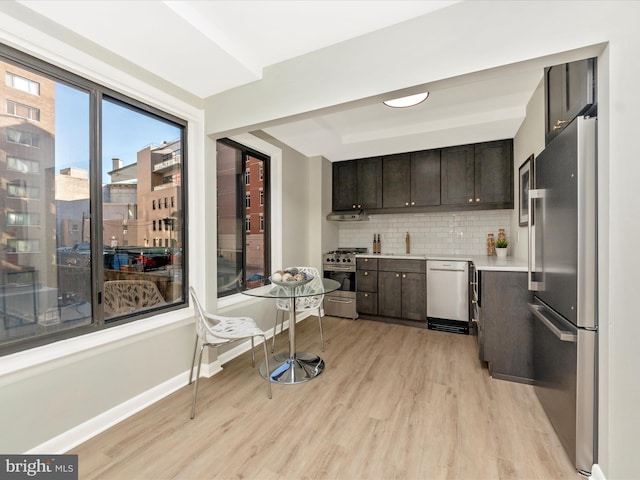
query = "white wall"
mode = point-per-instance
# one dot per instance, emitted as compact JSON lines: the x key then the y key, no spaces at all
{"x":475,"y":36}
{"x":529,"y":140}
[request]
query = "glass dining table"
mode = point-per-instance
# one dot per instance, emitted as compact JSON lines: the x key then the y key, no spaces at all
{"x":293,"y":367}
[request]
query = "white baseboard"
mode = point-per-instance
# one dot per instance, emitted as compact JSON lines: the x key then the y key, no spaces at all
{"x":81,"y":433}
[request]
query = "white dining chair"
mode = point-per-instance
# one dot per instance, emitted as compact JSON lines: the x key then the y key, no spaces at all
{"x":214,"y":331}
{"x":303,"y":303}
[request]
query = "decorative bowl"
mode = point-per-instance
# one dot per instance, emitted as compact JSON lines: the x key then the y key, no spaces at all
{"x":291,"y":283}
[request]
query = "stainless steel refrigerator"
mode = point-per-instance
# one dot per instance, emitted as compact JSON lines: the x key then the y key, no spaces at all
{"x":563,"y":276}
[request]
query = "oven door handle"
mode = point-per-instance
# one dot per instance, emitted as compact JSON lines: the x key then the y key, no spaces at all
{"x":339,"y":301}
{"x":334,"y":268}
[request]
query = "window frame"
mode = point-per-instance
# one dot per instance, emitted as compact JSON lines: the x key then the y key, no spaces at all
{"x":247,"y":152}
{"x":97,"y":93}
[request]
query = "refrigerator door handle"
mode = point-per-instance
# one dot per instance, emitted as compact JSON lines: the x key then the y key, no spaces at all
{"x":563,"y":335}
{"x":533,"y":285}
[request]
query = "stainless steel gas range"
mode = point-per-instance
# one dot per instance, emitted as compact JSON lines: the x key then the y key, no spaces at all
{"x":340,"y":265}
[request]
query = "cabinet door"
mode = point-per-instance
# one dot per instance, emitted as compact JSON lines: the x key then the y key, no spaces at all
{"x":580,"y":91}
{"x":457,"y":176}
{"x":367,"y":303}
{"x":396,"y":181}
{"x":345,"y":185}
{"x":414,"y":287}
{"x":554,"y":98}
{"x":370,"y":182}
{"x":425,"y":178}
{"x":493,"y":172}
{"x":367,"y":263}
{"x":570,"y":90}
{"x":390,"y":294}
{"x":366,"y":281}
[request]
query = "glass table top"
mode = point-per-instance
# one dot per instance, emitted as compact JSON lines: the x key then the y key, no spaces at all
{"x":317,"y":286}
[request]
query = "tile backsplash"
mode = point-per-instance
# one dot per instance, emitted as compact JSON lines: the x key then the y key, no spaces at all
{"x":459,"y":233}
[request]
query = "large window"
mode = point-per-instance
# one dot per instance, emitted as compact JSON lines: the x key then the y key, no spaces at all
{"x":78,"y":250}
{"x":243,"y":233}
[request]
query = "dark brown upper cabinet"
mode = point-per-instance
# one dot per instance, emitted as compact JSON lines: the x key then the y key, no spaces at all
{"x":570,"y":90}
{"x":411,"y":179}
{"x":457,"y":179}
{"x":357,"y":184}
{"x":478,"y":176}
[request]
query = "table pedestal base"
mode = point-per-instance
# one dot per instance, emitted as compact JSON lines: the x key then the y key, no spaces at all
{"x":303,"y":367}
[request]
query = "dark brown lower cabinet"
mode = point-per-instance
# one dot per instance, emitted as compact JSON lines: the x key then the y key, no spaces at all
{"x":390,"y":294}
{"x":507,"y":328}
{"x":402,"y":289}
{"x":367,"y":287}
{"x":414,"y":288}
{"x":367,"y":303}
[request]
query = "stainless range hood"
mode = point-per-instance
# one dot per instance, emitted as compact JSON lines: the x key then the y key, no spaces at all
{"x":348,"y":216}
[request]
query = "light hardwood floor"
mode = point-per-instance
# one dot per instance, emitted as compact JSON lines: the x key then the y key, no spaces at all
{"x":394,"y":402}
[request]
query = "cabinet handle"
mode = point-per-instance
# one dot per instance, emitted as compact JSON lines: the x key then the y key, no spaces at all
{"x":406,"y":204}
{"x":404,"y":275}
{"x":471,"y":200}
{"x":477,"y":199}
{"x":366,"y":274}
{"x":559,"y":124}
{"x":474,"y":301}
{"x":366,"y":295}
{"x":353,"y":206}
{"x":473,"y":283}
{"x":397,"y":275}
{"x":359,"y":206}
{"x":366,"y":259}
{"x":413,"y":203}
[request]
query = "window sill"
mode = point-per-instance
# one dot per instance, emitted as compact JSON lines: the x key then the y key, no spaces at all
{"x":231,"y":300}
{"x":44,"y":355}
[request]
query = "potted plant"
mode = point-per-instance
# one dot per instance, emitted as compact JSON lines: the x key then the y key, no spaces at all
{"x":501,"y":248}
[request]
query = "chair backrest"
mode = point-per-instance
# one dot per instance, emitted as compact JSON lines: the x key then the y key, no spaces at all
{"x":216,"y":329}
{"x":313,"y":301}
{"x":128,"y":296}
{"x":201,"y":327}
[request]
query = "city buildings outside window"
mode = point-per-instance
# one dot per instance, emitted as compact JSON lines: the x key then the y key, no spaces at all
{"x":244,"y":253}
{"x":21,"y":83}
{"x":23,"y":138}
{"x":23,"y":111}
{"x":23,"y":165}
{"x":60,"y":271}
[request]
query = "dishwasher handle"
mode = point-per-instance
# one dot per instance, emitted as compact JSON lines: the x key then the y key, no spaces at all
{"x":453,"y":269}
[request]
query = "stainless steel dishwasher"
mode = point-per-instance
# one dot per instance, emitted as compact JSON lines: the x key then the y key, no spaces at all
{"x":448,"y":296}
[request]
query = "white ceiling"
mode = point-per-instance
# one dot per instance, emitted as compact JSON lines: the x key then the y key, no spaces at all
{"x":229,"y":43}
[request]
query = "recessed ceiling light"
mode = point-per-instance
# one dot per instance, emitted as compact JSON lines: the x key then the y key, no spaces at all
{"x":409,"y":101}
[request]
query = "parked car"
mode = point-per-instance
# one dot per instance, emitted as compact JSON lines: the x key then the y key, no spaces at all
{"x":80,"y":255}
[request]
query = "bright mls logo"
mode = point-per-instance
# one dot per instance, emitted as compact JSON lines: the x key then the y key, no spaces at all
{"x":50,"y":467}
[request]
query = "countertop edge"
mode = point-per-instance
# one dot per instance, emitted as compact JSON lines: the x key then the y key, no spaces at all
{"x":480,"y":262}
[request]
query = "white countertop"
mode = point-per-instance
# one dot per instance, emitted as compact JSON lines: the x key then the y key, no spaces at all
{"x":481,"y":262}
